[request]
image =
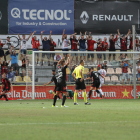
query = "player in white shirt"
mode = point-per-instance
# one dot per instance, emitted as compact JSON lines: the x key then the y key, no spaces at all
{"x":10,"y":47}
{"x":103,"y":73}
{"x":23,"y":44}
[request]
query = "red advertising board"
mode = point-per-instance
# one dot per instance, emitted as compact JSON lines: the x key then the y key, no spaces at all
{"x":41,"y":92}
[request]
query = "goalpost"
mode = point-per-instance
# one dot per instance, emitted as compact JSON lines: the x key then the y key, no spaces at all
{"x":114,"y":87}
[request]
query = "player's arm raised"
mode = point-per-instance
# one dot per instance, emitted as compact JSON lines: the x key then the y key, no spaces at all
{"x":60,"y":61}
{"x":29,"y":36}
{"x":68,"y":60}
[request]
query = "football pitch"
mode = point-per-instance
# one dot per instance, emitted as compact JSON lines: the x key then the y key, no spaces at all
{"x":102,"y":120}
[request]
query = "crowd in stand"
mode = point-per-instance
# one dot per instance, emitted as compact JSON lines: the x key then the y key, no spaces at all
{"x":49,"y":45}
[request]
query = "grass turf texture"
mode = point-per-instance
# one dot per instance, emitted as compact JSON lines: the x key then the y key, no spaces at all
{"x":103,"y":120}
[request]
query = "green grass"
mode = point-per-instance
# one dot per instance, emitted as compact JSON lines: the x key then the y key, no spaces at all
{"x":103,"y":120}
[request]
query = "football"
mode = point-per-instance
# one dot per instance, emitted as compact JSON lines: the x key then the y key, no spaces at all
{"x":50,"y":91}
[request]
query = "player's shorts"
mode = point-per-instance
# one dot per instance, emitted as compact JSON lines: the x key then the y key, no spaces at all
{"x":61,"y":86}
{"x":96,"y":84}
{"x":80,"y":85}
{"x":6,"y":89}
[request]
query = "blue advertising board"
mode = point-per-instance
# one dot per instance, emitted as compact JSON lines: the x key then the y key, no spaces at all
{"x":35,"y":15}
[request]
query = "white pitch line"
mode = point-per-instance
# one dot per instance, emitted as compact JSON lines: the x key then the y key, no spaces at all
{"x":68,"y":123}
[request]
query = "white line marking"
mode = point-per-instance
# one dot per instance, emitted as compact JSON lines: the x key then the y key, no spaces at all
{"x":68,"y":123}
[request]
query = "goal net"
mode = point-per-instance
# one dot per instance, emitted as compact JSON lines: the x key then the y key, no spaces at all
{"x":121,"y":80}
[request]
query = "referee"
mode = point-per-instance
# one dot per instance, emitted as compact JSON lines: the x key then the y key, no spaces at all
{"x":80,"y":85}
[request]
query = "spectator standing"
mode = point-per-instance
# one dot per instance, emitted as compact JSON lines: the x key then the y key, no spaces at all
{"x":52,"y":45}
{"x":137,"y":45}
{"x":10,"y":46}
{"x":131,"y":42}
{"x":23,"y":44}
{"x":1,"y":50}
{"x":104,"y":65}
{"x":35,"y":45}
{"x":99,"y":48}
{"x":90,"y":48}
{"x":11,"y":74}
{"x":122,"y":57}
{"x":112,"y":41}
{"x":138,"y":71}
{"x":57,"y":57}
{"x":14,"y":60}
{"x":123,"y":41}
{"x":82,"y":45}
{"x":74,"y":43}
{"x":46,"y":47}
{"x":105,"y":46}
{"x":65,"y":43}
{"x":4,"y":66}
{"x":125,"y":73}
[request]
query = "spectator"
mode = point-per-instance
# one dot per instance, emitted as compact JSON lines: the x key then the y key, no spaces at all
{"x":99,"y":48}
{"x":104,"y":65}
{"x":125,"y":73}
{"x":123,"y":41}
{"x":52,"y":45}
{"x":23,"y":45}
{"x":112,"y":41}
{"x":46,"y":46}
{"x":72,"y":69}
{"x":11,"y":74}
{"x":137,"y":45}
{"x":90,"y":44}
{"x":138,"y":71}
{"x":14,"y":60}
{"x":131,"y":42}
{"x":82,"y":45}
{"x":4,"y":66}
{"x":65,"y":43}
{"x":74,"y":43}
{"x":10,"y":46}
{"x":122,"y":57}
{"x":1,"y":50}
{"x":57,"y":57}
{"x":105,"y":46}
{"x":35,"y":45}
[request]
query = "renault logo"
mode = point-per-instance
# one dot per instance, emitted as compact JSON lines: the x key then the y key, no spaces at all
{"x":84,"y":17}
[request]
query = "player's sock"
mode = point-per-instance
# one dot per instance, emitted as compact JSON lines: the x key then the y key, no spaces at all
{"x":90,"y":92}
{"x":64,"y":99}
{"x":1,"y":96}
{"x":54,"y":99}
{"x":85,"y":97}
{"x":58,"y":97}
{"x":53,"y":94}
{"x":99,"y":93}
{"x":75,"y":97}
{"x":5,"y":97}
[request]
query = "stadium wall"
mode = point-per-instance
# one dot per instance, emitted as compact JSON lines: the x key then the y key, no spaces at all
{"x":41,"y":92}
